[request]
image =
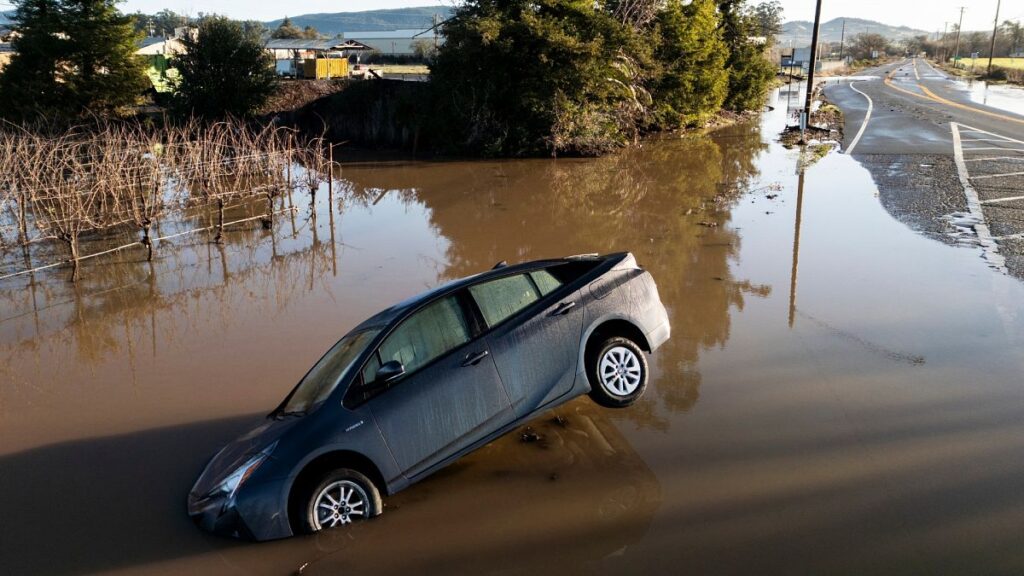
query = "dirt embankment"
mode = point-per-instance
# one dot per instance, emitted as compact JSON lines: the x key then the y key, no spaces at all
{"x":292,"y":95}
{"x":825,"y":124}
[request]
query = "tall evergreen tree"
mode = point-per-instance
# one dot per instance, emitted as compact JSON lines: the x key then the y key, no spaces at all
{"x":71,"y":57}
{"x":103,"y":73}
{"x":287,"y":30}
{"x":224,"y":71}
{"x":29,"y":84}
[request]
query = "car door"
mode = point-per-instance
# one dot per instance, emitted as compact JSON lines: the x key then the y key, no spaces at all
{"x":450,"y":395}
{"x":535,"y":349}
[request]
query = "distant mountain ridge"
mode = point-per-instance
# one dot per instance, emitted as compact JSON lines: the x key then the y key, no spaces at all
{"x":371,"y":20}
{"x":798,"y":32}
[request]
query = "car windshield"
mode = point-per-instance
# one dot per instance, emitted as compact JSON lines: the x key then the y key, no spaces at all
{"x":328,"y":372}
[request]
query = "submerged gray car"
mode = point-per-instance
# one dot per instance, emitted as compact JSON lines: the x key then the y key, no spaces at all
{"x":428,"y":380}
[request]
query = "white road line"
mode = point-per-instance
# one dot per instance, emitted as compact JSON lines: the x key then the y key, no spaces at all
{"x":983,"y":139}
{"x":988,"y":245}
{"x":913,"y":64}
{"x":993,"y":158}
{"x":1000,"y":136}
{"x":864,"y":124}
{"x":993,"y":148}
{"x":932,"y":68}
{"x":998,"y":175}
{"x":997,"y":200}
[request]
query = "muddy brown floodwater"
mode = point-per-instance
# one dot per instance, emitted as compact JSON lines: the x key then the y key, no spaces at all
{"x":840,"y":395}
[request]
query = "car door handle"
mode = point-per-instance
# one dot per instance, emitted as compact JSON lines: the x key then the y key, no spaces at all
{"x":474,"y":358}
{"x":562,"y":308}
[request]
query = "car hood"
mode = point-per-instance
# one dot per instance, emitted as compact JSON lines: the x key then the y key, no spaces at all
{"x":239,"y":450}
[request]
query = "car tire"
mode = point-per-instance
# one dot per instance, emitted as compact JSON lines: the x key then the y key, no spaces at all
{"x":341,"y":497}
{"x":617,"y":370}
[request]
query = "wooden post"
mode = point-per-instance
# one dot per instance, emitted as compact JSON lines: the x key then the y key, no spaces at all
{"x":268,"y":222}
{"x":147,"y":241}
{"x":22,"y":216}
{"x":73,"y":241}
{"x":330,"y":172}
{"x":291,"y":157}
{"x":220,"y":221}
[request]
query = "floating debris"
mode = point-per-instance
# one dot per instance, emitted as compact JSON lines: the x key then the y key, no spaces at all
{"x":529,"y":435}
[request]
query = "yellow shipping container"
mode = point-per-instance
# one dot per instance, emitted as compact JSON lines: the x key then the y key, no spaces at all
{"x":319,"y":68}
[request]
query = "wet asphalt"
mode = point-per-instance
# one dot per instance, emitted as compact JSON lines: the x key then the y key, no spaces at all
{"x":918,"y":122}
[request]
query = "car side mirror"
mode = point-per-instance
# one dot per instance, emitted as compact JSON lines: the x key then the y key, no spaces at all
{"x":389,"y":371}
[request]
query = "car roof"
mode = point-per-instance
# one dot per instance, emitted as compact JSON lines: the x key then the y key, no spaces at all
{"x":385,"y":317}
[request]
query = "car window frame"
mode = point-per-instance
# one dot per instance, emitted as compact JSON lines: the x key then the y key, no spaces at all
{"x":358,"y":394}
{"x":476,"y":306}
{"x":540,"y":303}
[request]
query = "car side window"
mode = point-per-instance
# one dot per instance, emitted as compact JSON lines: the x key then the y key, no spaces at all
{"x":545,"y":281}
{"x":426,"y":335}
{"x":503,"y":297}
{"x":370,"y":369}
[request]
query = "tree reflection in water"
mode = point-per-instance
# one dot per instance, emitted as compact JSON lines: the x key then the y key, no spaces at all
{"x":669,"y":203}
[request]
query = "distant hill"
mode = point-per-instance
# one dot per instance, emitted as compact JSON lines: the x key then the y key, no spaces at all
{"x":395,"y":19}
{"x":5,"y":17}
{"x":798,"y":32}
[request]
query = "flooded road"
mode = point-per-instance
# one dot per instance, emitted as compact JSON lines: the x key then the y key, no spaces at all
{"x":1002,"y":96}
{"x":840,"y":395}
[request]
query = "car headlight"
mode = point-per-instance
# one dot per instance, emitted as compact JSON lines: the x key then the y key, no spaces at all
{"x":232,"y":482}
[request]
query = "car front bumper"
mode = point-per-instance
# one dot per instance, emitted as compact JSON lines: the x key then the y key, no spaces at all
{"x":218,"y":515}
{"x":257,"y":512}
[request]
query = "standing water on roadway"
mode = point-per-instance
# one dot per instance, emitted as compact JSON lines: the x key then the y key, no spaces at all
{"x":1003,"y":96}
{"x":840,"y":393}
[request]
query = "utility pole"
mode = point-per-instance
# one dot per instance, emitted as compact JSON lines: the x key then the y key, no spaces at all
{"x":956,"y":52}
{"x":992,"y":46}
{"x":942,"y":44}
{"x":810,"y":68}
{"x":842,"y":38}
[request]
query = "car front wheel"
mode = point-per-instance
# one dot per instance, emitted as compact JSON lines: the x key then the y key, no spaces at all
{"x":342,"y":497}
{"x":617,"y":372}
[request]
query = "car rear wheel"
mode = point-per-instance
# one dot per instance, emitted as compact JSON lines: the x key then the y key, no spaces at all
{"x":342,"y":497}
{"x":617,"y":372}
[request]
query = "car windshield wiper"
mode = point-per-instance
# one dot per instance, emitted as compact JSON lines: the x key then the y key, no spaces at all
{"x":281,"y":414}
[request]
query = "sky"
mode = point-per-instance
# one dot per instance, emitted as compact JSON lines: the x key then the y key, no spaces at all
{"x":922,"y":14}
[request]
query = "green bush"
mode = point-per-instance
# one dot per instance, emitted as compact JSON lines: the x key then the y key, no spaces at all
{"x":693,"y":82}
{"x":750,"y":72}
{"x":524,"y":77}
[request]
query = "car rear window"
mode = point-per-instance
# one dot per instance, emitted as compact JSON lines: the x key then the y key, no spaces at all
{"x":570,"y":271}
{"x":545,"y":281}
{"x":503,"y":297}
{"x":426,"y":335}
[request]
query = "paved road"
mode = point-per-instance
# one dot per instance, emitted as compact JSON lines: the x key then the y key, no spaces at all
{"x":947,"y":166}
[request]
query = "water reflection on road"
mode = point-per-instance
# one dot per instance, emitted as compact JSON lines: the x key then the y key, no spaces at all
{"x":849,"y":405}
